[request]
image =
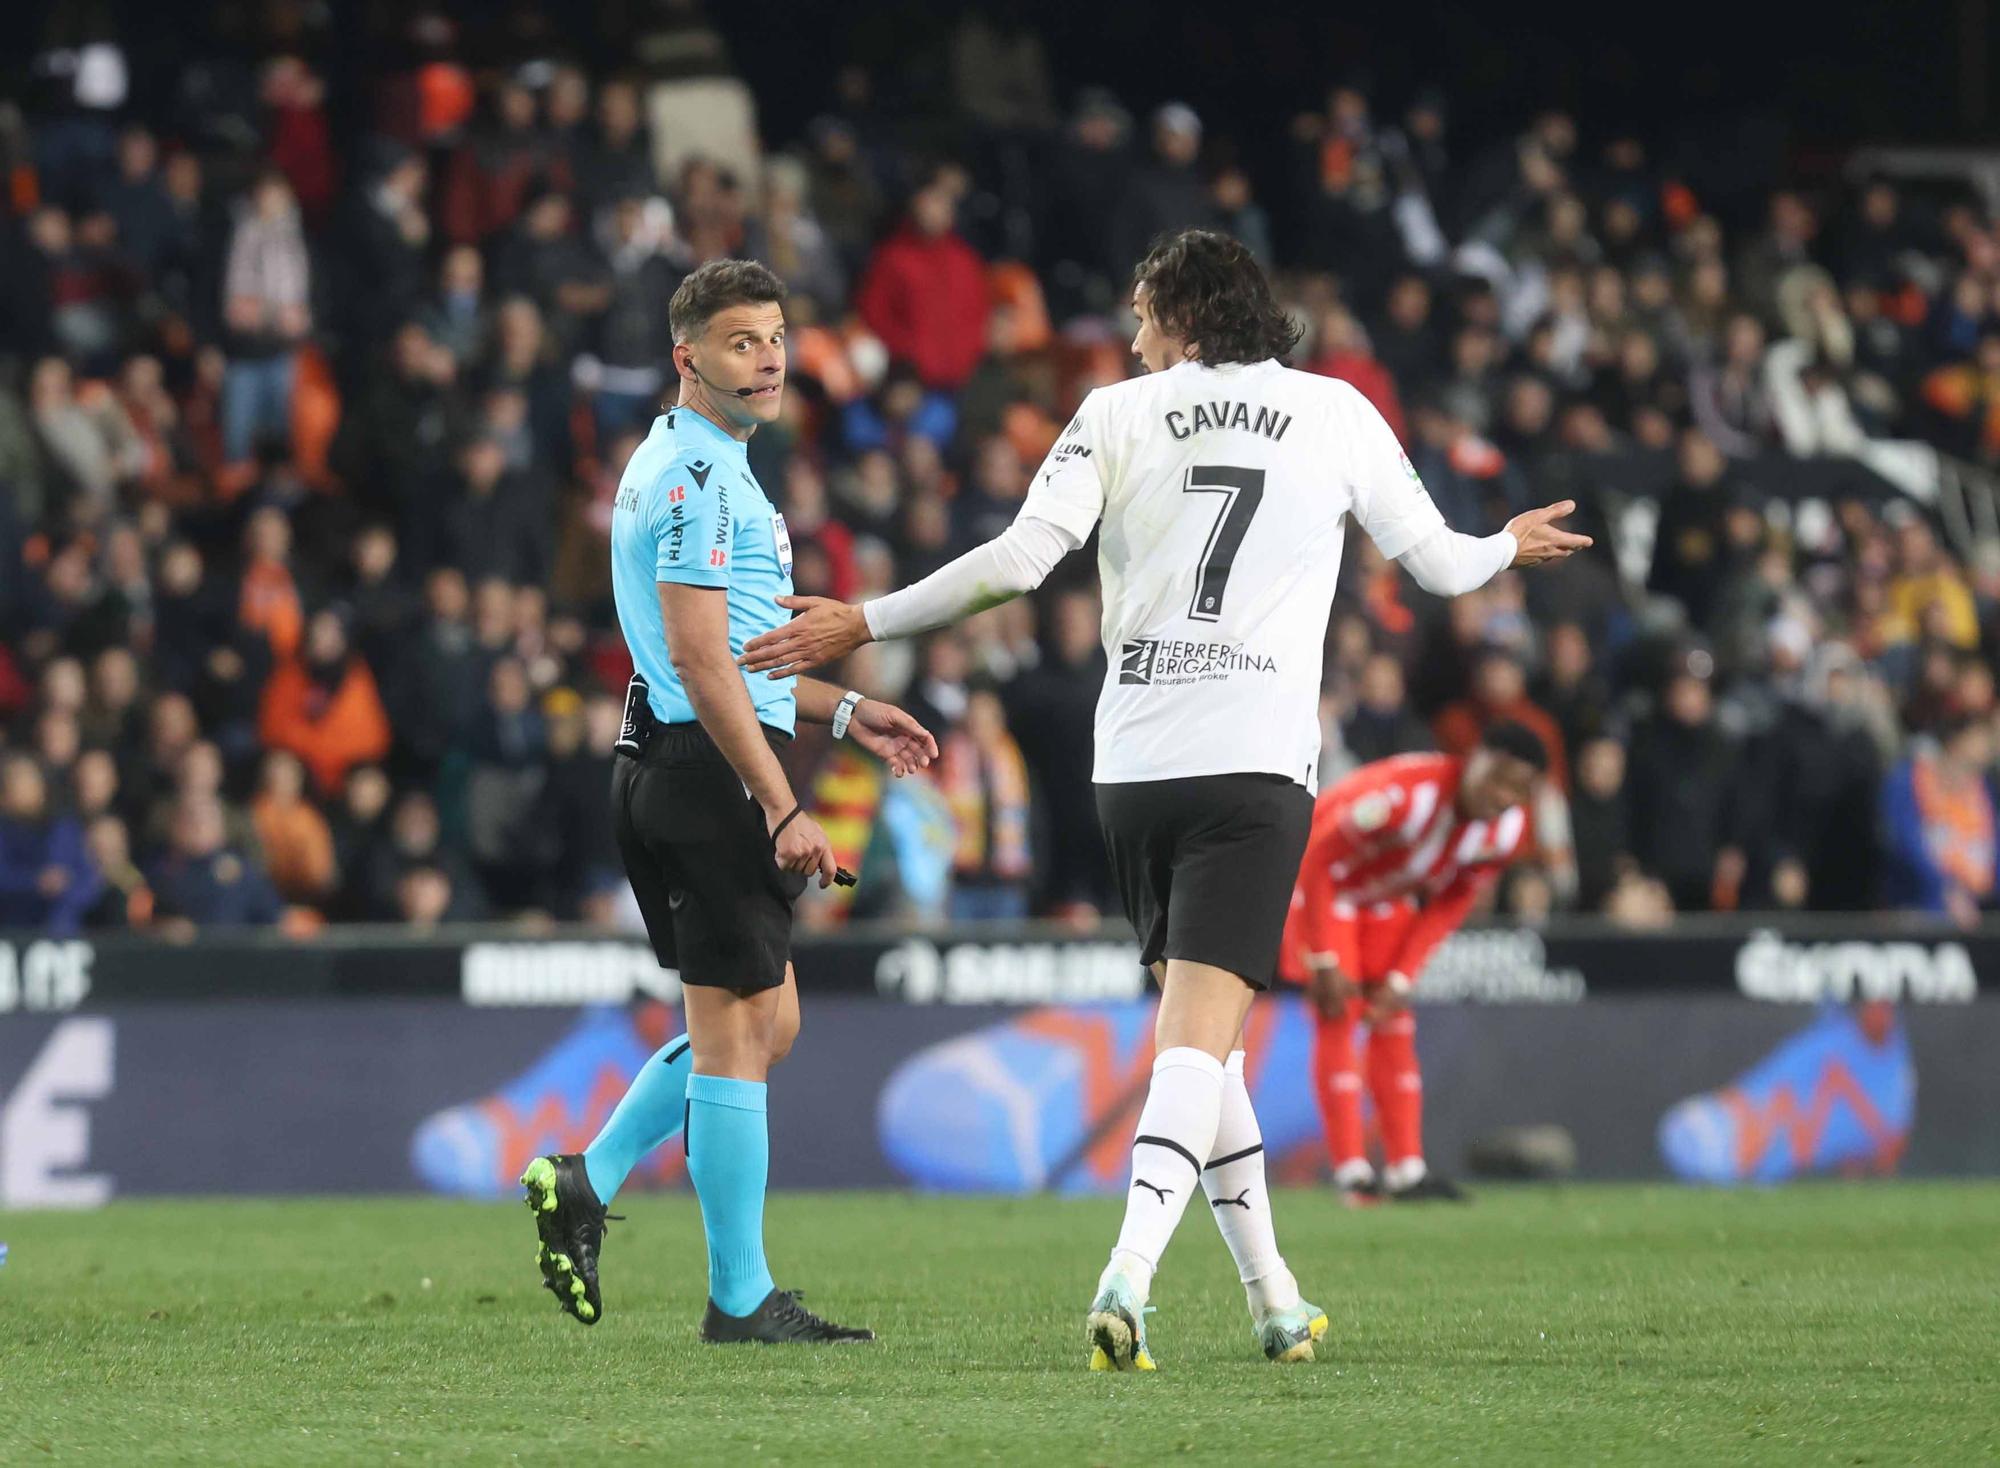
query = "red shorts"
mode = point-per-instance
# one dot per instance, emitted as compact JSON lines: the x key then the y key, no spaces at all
{"x":1365,"y":942}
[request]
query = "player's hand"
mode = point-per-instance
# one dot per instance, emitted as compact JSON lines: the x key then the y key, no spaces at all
{"x":892,"y":736}
{"x":1540,"y":539}
{"x":823,"y":630}
{"x":1391,"y":996}
{"x":802,"y":846}
{"x":1331,"y":989}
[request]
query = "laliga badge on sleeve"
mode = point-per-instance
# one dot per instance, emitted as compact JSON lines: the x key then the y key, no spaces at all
{"x":1371,"y":811}
{"x":783,"y":539}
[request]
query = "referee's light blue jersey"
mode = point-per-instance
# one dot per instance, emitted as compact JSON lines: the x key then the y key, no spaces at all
{"x":689,"y":511}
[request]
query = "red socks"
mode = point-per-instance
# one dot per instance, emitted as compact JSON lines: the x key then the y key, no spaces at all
{"x":1398,"y":1087}
{"x":1394,"y":1081}
{"x":1337,"y":1085}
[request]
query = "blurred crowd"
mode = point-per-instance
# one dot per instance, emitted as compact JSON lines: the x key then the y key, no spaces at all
{"x":312,"y":411}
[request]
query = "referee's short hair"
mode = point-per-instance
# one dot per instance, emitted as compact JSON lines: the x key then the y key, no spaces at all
{"x":717,"y":286}
{"x":1208,"y":290}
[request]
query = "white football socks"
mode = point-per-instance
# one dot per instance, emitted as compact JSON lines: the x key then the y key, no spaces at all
{"x":1234,"y":1182}
{"x":1356,"y":1174}
{"x":1405,"y":1174}
{"x":1176,"y":1137}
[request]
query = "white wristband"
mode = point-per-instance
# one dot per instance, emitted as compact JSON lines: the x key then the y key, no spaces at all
{"x":844,"y":715}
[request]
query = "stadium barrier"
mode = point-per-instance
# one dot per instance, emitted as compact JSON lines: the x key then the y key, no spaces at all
{"x":1004,"y":1059}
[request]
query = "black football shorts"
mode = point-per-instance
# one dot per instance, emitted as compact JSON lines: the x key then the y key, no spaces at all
{"x":701,"y":862}
{"x":1205,"y":866}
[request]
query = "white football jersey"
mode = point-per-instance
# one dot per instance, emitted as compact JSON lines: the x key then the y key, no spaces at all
{"x":1223,"y":493}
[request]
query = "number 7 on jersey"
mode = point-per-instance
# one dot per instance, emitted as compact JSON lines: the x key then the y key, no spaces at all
{"x":1242,"y":490}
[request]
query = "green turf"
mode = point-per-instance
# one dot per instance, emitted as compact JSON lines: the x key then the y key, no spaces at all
{"x":1826,"y":1324}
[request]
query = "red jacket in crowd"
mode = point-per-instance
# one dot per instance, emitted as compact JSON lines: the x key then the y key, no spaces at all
{"x":926,"y":297}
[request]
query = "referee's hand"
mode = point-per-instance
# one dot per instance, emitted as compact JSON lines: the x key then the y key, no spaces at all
{"x":893,"y":737}
{"x":803,"y":847}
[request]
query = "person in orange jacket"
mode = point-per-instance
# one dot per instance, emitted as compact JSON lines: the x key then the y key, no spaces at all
{"x":323,"y":706}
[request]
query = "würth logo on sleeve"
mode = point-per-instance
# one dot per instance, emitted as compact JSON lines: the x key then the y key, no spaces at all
{"x":677,"y":495}
{"x":1135,"y":660}
{"x":718,"y":557}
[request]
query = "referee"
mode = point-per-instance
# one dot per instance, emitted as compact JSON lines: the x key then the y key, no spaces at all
{"x":715,"y":843}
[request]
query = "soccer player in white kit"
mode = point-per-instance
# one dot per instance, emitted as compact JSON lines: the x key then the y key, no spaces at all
{"x":1221,"y":483}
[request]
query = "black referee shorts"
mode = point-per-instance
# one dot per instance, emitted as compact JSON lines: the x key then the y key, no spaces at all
{"x":701,"y":862}
{"x":1206,"y":866}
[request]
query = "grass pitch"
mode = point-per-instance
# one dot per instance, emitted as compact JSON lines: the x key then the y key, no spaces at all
{"x":1826,"y":1324}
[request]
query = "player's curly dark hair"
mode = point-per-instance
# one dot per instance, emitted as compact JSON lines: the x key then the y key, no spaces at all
{"x":1518,"y":740}
{"x":1208,"y":290}
{"x":717,"y":286}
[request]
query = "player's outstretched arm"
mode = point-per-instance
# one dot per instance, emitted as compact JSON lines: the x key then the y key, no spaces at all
{"x":882,"y":729}
{"x":1448,"y":563}
{"x":1015,"y":561}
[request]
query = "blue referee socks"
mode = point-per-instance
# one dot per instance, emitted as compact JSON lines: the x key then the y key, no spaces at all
{"x":729,"y":1161}
{"x":652,"y":1111}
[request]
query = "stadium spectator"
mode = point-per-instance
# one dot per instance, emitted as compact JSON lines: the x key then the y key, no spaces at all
{"x":1344,"y":352}
{"x":149,"y":227}
{"x":381,"y":235}
{"x":269,"y":603}
{"x":293,"y":835}
{"x":1381,"y":722}
{"x":1165,"y":192}
{"x":416,"y":841}
{"x":1939,"y":823}
{"x":459,"y":318}
{"x":490,"y":521}
{"x":1600,"y":823}
{"x":489,"y":177}
{"x":94,"y":783}
{"x":1683,"y":780}
{"x":360,"y":830}
{"x":1756,"y":416}
{"x":47,"y":882}
{"x":572,"y":805}
{"x":512,"y":848}
{"x":125,"y":900}
{"x":792,"y":242}
{"x":985,"y":781}
{"x":322,"y":705}
{"x":925,"y":294}
{"x":1051,"y":708}
{"x":204,"y":880}
{"x":1500,"y":695}
{"x":613,"y":162}
{"x":1691,"y":544}
{"x":1928,"y":596}
{"x":266,"y":306}
{"x":633,"y":339}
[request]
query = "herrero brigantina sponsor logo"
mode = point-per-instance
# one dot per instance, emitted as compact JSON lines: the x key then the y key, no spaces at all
{"x":1164,"y":662}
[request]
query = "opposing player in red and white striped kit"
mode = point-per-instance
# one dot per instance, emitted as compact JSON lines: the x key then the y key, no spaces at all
{"x":1400,"y":851}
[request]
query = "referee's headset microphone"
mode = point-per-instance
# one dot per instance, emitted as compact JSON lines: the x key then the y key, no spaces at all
{"x":741,"y":392}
